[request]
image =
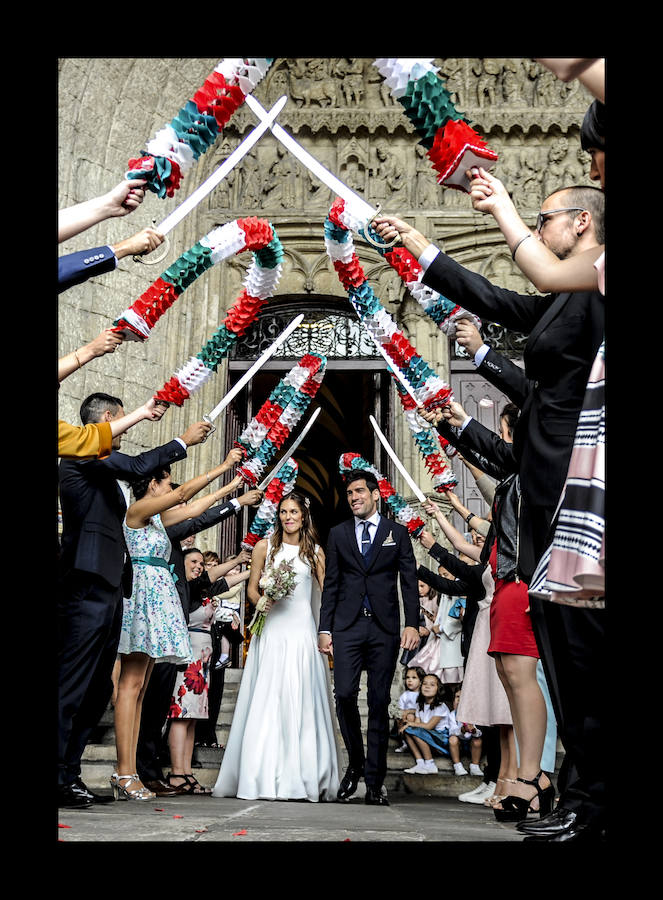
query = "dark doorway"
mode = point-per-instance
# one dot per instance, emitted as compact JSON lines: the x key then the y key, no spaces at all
{"x":347,"y":396}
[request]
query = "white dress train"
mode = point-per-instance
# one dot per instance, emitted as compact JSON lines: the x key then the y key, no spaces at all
{"x":282,"y":744}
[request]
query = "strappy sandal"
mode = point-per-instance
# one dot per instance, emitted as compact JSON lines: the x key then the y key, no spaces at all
{"x":122,"y":791}
{"x":191,"y":785}
{"x":515,"y":809}
{"x":497,"y":798}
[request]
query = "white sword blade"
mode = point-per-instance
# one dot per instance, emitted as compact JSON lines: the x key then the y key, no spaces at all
{"x":263,"y":484}
{"x":248,"y":375}
{"x":176,"y":216}
{"x":394,"y":368}
{"x":399,"y":465}
{"x":359,"y":206}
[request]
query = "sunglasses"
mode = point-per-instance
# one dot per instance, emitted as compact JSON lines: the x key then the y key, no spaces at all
{"x":542,"y":216}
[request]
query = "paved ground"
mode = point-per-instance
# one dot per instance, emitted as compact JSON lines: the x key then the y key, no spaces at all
{"x":203,"y":819}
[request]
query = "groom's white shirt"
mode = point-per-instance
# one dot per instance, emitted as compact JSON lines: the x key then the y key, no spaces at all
{"x":374,"y":520}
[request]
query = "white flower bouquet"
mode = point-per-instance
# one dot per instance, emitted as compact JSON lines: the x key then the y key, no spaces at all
{"x":277,"y":583}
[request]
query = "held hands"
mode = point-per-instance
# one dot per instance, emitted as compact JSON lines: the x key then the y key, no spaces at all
{"x":236,"y":455}
{"x":107,"y":342}
{"x":250,"y":498}
{"x":468,"y":336}
{"x":325,"y":645}
{"x":125,"y":197}
{"x":426,"y":539}
{"x":196,"y":433}
{"x":487,"y":193}
{"x":154,"y":409}
{"x":410,"y":638}
{"x":138,"y":244}
{"x":389,"y":227}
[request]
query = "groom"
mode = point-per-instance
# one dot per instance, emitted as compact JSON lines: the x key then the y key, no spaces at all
{"x":360,"y":624}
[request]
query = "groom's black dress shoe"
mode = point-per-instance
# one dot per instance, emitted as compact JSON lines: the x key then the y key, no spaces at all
{"x":78,"y":796}
{"x":557,"y":822}
{"x":586,"y":834}
{"x":349,"y":784}
{"x":375,"y":797}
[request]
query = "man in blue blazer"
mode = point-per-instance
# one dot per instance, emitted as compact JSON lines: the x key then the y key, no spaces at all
{"x":75,"y":268}
{"x":360,"y":626}
{"x":94,"y":574}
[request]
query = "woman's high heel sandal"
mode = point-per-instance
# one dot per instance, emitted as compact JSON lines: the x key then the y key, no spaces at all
{"x":515,"y":809}
{"x":122,"y":792}
{"x":191,"y":785}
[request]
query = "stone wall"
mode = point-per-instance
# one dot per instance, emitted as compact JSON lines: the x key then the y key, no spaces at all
{"x":340,"y":110}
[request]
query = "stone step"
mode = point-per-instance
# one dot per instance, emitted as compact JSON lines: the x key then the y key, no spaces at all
{"x":99,"y":758}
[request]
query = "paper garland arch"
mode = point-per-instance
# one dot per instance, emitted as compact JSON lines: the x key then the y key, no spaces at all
{"x":452,"y":145}
{"x":428,"y":387}
{"x":274,"y":422}
{"x":256,"y":235}
{"x":178,"y":146}
{"x":396,"y":503}
{"x":279,"y":487}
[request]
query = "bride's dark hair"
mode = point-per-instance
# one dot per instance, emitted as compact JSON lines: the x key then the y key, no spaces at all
{"x":308,"y":536}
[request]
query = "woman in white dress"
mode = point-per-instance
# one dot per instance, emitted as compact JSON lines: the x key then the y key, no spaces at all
{"x":282,"y":743}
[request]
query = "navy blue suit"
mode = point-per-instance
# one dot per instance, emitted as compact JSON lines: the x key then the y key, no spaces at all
{"x":94,"y":574}
{"x":362,"y":642}
{"x":75,"y":268}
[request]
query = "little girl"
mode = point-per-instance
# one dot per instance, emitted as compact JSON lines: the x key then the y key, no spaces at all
{"x":407,"y":702}
{"x":430,"y":727}
{"x":463,"y":736}
{"x":428,"y":606}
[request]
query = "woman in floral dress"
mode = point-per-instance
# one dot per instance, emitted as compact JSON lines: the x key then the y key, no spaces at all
{"x":153,"y":625}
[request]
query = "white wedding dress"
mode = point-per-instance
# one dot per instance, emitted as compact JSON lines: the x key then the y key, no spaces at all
{"x":282,"y":744}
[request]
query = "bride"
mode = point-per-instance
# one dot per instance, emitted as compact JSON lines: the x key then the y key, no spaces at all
{"x":282,"y":744}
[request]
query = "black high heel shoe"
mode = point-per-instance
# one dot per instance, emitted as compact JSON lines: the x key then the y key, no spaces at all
{"x":515,"y":809}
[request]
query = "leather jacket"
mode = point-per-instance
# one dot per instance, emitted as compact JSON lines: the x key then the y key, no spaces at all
{"x":505,"y":528}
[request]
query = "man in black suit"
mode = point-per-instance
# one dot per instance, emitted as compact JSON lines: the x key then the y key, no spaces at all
{"x":360,"y":626}
{"x":156,"y":702}
{"x":564,"y":332}
{"x":94,"y":574}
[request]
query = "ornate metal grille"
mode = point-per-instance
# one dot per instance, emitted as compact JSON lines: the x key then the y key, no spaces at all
{"x":331,"y":328}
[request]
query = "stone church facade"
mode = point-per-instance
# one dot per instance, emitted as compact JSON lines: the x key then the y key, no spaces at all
{"x":341,"y":111}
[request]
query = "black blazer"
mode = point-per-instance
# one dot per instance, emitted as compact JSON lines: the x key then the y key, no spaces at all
{"x":468,"y":584}
{"x":182,"y":530}
{"x":93,"y":509}
{"x":565,"y":332}
{"x":349,"y":577}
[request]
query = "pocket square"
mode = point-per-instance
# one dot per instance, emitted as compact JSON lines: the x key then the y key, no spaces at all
{"x":389,"y":541}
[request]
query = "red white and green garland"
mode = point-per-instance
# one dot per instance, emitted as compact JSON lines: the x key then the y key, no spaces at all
{"x":429,"y":389}
{"x":349,"y":462}
{"x":265,"y":518}
{"x":274,"y":422}
{"x":452,"y":145}
{"x":261,"y":281}
{"x":177,"y":147}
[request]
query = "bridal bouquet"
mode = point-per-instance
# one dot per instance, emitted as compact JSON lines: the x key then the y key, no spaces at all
{"x":277,"y":583}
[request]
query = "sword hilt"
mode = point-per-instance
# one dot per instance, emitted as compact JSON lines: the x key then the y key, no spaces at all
{"x":379,"y":244}
{"x":153,"y":260}
{"x":206,"y":418}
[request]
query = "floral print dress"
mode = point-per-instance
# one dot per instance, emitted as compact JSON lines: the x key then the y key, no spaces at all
{"x":191,"y":692}
{"x":153,"y":621}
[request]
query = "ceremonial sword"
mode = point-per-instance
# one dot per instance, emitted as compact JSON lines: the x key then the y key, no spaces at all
{"x":263,"y":484}
{"x":399,"y":465}
{"x":248,"y":375}
{"x":363,"y":209}
{"x":176,"y":216}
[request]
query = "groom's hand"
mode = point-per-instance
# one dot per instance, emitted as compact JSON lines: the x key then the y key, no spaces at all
{"x":410,"y":638}
{"x":325,"y":644}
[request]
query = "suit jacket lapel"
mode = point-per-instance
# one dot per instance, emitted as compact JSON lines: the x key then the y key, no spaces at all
{"x":352,"y":539}
{"x":380,"y":536}
{"x":551,"y":313}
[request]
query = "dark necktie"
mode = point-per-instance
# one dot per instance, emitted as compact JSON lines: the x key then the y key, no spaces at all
{"x":365,"y":547}
{"x":365,"y":540}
